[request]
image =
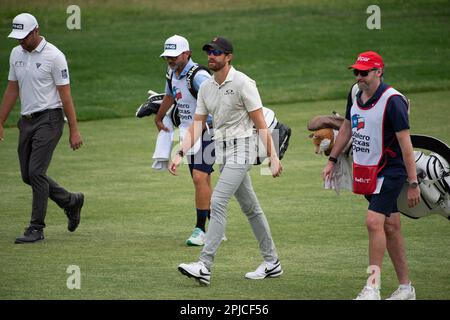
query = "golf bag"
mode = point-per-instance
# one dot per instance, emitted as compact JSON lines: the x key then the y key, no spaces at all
{"x":433,"y":175}
{"x":280,"y":132}
{"x":151,"y":106}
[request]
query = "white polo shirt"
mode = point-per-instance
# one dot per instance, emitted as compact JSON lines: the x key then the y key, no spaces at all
{"x":229,"y":104}
{"x":38,"y":73}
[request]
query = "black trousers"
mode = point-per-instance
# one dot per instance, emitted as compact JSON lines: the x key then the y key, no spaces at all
{"x":38,"y":138}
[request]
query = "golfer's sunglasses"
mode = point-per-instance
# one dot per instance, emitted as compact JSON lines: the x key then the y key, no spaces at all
{"x":214,"y":52}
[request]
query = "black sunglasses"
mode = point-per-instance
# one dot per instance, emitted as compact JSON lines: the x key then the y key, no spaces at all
{"x":214,"y":52}
{"x":363,"y":73}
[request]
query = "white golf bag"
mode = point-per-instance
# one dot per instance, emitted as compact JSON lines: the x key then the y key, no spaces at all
{"x":433,"y":174}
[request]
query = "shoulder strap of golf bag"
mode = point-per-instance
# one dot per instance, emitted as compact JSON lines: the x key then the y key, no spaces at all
{"x":189,"y":78}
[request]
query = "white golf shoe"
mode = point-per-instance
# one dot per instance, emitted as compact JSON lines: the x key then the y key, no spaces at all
{"x":197,"y":238}
{"x":266,"y":270}
{"x":196,"y":270}
{"x":369,"y":293}
{"x":408,"y":293}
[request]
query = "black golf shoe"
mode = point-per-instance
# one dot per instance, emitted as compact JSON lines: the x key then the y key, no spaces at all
{"x":31,"y":235}
{"x":73,"y":212}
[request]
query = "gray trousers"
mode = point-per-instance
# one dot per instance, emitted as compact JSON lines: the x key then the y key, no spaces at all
{"x":38,"y":139}
{"x":235,"y":180}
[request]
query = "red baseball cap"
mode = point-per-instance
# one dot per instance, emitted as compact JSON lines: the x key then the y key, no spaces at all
{"x":368,"y":60}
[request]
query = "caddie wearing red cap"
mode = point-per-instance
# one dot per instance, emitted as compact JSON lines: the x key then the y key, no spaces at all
{"x":383,"y":161}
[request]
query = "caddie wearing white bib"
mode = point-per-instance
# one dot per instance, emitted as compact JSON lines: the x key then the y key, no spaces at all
{"x":201,"y":157}
{"x":383,"y":156}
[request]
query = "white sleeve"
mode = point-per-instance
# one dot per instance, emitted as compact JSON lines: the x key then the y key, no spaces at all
{"x":250,"y":95}
{"x":60,"y":70}
{"x":12,"y":71}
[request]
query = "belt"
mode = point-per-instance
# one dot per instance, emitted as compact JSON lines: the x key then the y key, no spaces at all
{"x":35,"y":115}
{"x":233,"y":142}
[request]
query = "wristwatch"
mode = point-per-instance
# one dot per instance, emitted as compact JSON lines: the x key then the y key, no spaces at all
{"x":413,"y":184}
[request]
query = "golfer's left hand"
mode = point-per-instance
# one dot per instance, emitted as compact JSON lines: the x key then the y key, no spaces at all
{"x":75,"y":140}
{"x":275,"y":166}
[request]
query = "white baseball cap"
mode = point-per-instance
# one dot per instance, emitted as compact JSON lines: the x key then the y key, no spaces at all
{"x":22,"y":25}
{"x":174,"y":46}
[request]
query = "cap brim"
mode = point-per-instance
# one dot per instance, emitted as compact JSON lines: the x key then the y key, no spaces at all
{"x":360,"y":67}
{"x":171,"y":53}
{"x":18,"y":34}
{"x":213,"y":46}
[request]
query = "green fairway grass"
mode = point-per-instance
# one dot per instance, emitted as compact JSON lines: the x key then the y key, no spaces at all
{"x":295,"y":50}
{"x":135,"y":220}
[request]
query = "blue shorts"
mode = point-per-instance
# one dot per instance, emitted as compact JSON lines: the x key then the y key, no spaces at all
{"x":385,"y":202}
{"x":204,"y":159}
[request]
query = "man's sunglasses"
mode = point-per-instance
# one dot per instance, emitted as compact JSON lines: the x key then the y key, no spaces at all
{"x":214,"y":52}
{"x":363,"y":73}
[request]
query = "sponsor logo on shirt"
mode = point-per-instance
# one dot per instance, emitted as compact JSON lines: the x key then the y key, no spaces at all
{"x":38,"y":65}
{"x":178,"y":95}
{"x":64,"y":74}
{"x":229,"y":92}
{"x":19,"y":63}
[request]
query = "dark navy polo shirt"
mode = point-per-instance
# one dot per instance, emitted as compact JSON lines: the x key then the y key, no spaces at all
{"x":396,"y":119}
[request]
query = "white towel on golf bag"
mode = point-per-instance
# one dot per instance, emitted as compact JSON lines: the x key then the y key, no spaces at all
{"x":163,"y":147}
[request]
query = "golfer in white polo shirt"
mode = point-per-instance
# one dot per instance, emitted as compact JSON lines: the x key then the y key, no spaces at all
{"x":39,"y":75}
{"x":233,"y":100}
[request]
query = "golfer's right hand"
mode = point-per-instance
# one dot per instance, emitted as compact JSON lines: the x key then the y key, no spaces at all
{"x":160,"y":125}
{"x":173,"y":164}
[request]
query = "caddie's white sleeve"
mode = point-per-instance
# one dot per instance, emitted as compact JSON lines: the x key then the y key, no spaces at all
{"x":60,"y":70}
{"x":250,"y":95}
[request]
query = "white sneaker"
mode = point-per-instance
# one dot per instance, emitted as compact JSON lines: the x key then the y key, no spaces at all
{"x":403,"y":294}
{"x":196,"y":270}
{"x":197,"y":238}
{"x":266,"y":270}
{"x":369,"y":293}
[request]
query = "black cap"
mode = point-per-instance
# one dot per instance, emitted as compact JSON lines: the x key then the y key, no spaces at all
{"x":219,"y":43}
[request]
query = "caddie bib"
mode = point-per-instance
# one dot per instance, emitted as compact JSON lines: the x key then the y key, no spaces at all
{"x":367,"y":142}
{"x":186,"y":103}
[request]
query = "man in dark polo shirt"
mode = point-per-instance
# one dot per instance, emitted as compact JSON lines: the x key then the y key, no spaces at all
{"x":383,"y":161}
{"x":39,"y":75}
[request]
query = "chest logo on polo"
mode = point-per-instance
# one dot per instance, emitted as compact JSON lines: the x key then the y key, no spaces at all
{"x":19,"y":63}
{"x":229,"y":92}
{"x":358,"y":122}
{"x":38,"y":65}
